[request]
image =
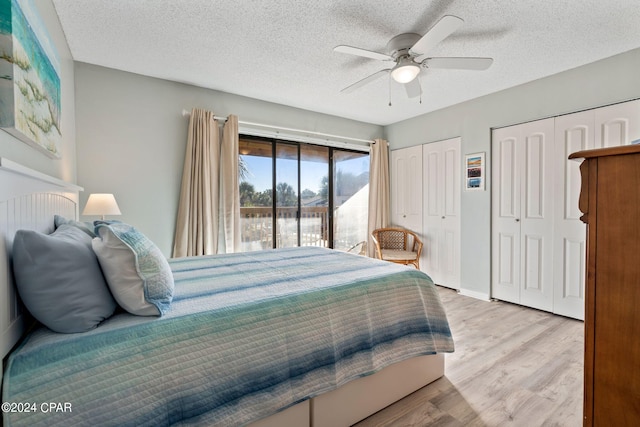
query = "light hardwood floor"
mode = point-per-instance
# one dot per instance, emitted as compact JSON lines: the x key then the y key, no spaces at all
{"x":512,"y":366}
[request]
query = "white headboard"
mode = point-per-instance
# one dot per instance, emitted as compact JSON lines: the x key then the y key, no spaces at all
{"x":28,"y":200}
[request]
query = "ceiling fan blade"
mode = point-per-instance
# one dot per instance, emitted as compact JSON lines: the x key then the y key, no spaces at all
{"x":365,"y":81}
{"x":468,"y":63}
{"x":413,"y":88}
{"x":362,"y":52}
{"x":443,"y":29}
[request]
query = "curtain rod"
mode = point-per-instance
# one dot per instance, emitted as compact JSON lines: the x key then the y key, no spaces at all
{"x":186,"y":113}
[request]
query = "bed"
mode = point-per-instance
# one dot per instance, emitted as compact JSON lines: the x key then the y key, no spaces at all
{"x":291,"y":337}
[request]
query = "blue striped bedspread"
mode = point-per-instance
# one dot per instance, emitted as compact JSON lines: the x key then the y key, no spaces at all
{"x":246,"y":336}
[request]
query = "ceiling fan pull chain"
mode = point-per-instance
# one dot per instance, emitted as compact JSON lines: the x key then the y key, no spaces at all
{"x":389,"y":92}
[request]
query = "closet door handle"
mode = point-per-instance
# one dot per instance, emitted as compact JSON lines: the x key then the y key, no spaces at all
{"x":517,"y":219}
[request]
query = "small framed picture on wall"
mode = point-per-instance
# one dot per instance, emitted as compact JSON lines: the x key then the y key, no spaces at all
{"x":474,"y":172}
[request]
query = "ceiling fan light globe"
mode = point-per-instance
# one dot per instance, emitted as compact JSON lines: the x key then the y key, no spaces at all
{"x":405,"y":73}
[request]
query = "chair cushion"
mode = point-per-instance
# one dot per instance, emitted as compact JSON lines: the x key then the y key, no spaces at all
{"x":398,"y":255}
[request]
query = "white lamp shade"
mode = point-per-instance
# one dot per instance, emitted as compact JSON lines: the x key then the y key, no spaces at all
{"x":405,"y":71}
{"x":101,"y":204}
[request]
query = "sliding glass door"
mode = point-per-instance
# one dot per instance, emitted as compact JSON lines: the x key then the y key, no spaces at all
{"x":314,"y":196}
{"x":295,"y":194}
{"x":256,"y":195}
{"x":287,"y":191}
{"x":350,"y":199}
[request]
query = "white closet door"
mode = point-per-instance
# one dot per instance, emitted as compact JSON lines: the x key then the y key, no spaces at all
{"x":406,"y":188}
{"x":617,"y":124}
{"x":432,"y":211}
{"x":610,"y":126}
{"x":505,"y":221}
{"x":574,"y":132}
{"x":538,"y":240}
{"x":522,"y":220}
{"x":536,"y":233}
{"x":441,"y":212}
{"x":450,"y":243}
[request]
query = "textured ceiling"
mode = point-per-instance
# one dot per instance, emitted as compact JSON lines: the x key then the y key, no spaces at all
{"x":282,"y":50}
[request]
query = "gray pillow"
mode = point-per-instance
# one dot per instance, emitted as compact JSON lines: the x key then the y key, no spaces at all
{"x":59,"y":279}
{"x":137,"y":272}
{"x":87,"y":227}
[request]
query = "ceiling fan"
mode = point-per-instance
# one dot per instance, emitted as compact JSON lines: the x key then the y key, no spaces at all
{"x":409,"y":53}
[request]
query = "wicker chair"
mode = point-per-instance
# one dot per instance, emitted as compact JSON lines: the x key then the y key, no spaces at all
{"x":397,"y":245}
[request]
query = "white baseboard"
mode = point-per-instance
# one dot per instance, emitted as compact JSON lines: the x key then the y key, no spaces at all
{"x":474,"y":294}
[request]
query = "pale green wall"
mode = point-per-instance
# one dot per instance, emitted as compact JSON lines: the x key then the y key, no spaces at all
{"x":18,"y":151}
{"x":132,"y":137}
{"x":604,"y":82}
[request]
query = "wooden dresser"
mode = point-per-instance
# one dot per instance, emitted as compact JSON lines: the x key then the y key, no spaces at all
{"x":610,"y":202}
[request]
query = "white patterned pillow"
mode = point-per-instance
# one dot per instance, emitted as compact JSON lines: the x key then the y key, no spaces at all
{"x":137,"y":272}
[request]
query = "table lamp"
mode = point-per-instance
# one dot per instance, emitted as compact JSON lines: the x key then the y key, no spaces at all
{"x":101,"y":204}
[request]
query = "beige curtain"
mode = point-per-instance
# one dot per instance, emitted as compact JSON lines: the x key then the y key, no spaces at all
{"x":197,"y":222}
{"x":379,"y":198}
{"x":230,"y":188}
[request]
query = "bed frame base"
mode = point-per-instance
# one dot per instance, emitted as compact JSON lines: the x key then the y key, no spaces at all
{"x":295,"y":416}
{"x":360,"y":398}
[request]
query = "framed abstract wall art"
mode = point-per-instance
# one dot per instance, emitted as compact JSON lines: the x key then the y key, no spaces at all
{"x":29,"y":78}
